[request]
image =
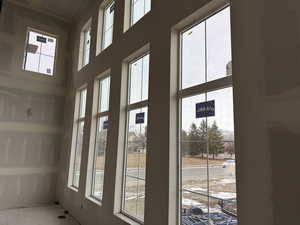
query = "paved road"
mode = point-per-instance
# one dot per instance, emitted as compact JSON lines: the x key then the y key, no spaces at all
{"x":188,"y":173}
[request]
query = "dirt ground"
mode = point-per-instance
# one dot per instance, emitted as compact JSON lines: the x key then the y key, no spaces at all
{"x":136,"y":160}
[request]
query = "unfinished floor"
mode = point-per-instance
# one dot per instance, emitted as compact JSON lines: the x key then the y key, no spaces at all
{"x":43,"y":215}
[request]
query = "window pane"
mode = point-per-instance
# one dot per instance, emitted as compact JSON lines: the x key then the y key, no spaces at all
{"x":194,"y":157}
{"x":147,"y":6}
{"x":86,"y":47}
{"x":138,"y":9}
{"x":104,"y":94}
{"x":46,"y":65}
{"x":139,"y":80}
{"x":193,"y":56}
{"x":134,"y":198}
{"x":32,"y":40}
{"x":218,"y":45}
{"x":82,"y":106}
{"x":49,"y":47}
{"x":32,"y":62}
{"x":78,"y":151}
{"x":222,"y":178}
{"x":208,"y":144}
{"x":99,"y":158}
{"x":107,"y":37}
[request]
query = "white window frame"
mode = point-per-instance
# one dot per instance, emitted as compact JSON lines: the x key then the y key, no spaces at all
{"x":92,"y":153}
{"x":29,"y":29}
{"x":77,"y":120}
{"x":132,"y":3}
{"x":203,"y":88}
{"x":82,"y":56}
{"x":130,"y":107}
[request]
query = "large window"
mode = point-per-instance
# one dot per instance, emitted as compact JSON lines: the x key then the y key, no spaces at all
{"x":207,"y":159}
{"x":79,"y":131}
{"x":138,"y":9}
{"x":133,"y":198}
{"x":40,"y":52}
{"x":101,"y":138}
{"x":108,"y":25}
{"x":85,"y":45}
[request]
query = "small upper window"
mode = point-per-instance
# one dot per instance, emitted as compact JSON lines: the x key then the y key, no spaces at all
{"x":108,"y":25}
{"x":85,"y":45}
{"x":138,"y":9}
{"x":40,"y":52}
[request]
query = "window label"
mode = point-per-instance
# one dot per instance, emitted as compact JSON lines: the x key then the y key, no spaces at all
{"x":140,"y":118}
{"x":41,"y":39}
{"x":105,"y":125}
{"x":205,"y":109}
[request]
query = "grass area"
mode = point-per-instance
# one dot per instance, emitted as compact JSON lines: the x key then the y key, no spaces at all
{"x":135,"y":160}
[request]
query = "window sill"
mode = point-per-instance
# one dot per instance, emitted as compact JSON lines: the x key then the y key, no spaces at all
{"x":95,"y":201}
{"x":127,"y":219}
{"x":73,"y":188}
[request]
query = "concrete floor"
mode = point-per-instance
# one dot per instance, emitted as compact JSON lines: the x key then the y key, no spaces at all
{"x":45,"y":215}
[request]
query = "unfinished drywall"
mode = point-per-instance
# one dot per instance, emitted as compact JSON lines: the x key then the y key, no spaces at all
{"x":265,"y":46}
{"x":31,"y":112}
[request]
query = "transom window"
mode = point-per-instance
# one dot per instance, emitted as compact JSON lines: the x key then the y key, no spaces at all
{"x":85,"y":45}
{"x":133,"y":198}
{"x":40,"y":53}
{"x":78,"y":142}
{"x":138,"y":9}
{"x":207,"y":159}
{"x":101,"y":138}
{"x":108,"y":25}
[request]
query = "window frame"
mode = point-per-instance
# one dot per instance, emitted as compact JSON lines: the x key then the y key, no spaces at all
{"x":76,"y":123}
{"x":56,"y":37}
{"x":198,"y":89}
{"x":128,"y":108}
{"x":98,"y":115}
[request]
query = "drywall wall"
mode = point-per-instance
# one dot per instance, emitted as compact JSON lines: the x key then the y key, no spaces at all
{"x":31,"y":112}
{"x":265,"y":46}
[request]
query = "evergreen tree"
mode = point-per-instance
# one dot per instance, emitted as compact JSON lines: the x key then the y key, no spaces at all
{"x":202,"y":138}
{"x":184,"y":143}
{"x":216,"y":140}
{"x":194,"y":142}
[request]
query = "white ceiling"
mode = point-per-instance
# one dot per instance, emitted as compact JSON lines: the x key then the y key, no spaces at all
{"x":64,"y":9}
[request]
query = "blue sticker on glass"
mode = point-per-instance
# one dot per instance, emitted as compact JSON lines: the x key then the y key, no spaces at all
{"x":205,"y":109}
{"x":105,"y":125}
{"x":41,"y":39}
{"x":140,"y":118}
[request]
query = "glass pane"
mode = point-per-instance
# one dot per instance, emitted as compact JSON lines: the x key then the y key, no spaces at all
{"x":219,"y":45}
{"x":222,"y":180}
{"x":86,"y":46}
{"x":32,"y":62}
{"x":208,"y":144}
{"x":99,"y":158}
{"x":49,"y":47}
{"x":78,"y":151}
{"x":138,"y":10}
{"x":32,"y":40}
{"x":147,"y":6}
{"x":139,"y":80}
{"x":136,"y":159}
{"x":82,"y":106}
{"x":194,"y":157}
{"x":104,"y":94}
{"x":109,"y":17}
{"x":46,"y":65}
{"x":107,"y":37}
{"x":130,"y":196}
{"x":193,"y":56}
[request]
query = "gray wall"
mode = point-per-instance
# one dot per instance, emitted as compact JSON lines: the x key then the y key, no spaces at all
{"x":31,"y":112}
